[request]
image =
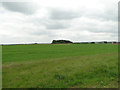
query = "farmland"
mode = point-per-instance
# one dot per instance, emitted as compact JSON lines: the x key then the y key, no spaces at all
{"x":60,"y":66}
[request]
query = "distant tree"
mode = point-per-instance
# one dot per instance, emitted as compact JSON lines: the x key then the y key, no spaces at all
{"x":92,"y":42}
{"x":114,"y":42}
{"x":54,"y":41}
{"x":61,"y":41}
{"x":105,"y":42}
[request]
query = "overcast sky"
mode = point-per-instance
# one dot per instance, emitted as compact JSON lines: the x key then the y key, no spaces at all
{"x":46,"y":20}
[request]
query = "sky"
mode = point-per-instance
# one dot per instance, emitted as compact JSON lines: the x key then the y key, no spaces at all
{"x":41,"y":21}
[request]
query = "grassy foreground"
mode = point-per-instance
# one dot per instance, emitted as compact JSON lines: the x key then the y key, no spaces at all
{"x":60,"y":66}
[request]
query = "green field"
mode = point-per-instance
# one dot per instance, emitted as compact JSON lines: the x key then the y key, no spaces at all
{"x":60,"y":66}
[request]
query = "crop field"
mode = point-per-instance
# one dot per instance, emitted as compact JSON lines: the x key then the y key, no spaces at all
{"x":60,"y":66}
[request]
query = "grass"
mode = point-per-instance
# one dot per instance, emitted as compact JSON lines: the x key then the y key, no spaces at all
{"x":60,"y":66}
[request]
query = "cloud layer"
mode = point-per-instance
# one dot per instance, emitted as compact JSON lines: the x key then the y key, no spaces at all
{"x":24,"y":22}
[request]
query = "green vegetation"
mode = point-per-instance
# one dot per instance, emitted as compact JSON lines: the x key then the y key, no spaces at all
{"x":61,"y":41}
{"x":60,"y":66}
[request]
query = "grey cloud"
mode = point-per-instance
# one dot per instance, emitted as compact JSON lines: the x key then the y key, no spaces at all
{"x":22,"y":7}
{"x":49,"y":23}
{"x":55,"y":25}
{"x":111,"y":14}
{"x":44,"y":33}
{"x":113,"y":35}
{"x":107,"y":15}
{"x":63,"y":14}
{"x":58,"y":23}
{"x":104,"y":15}
{"x":102,"y":30}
